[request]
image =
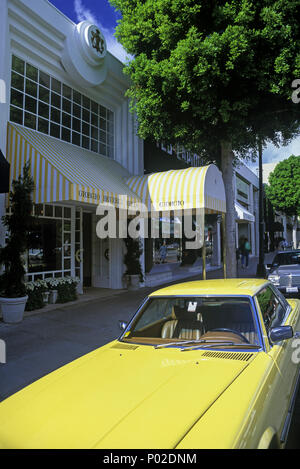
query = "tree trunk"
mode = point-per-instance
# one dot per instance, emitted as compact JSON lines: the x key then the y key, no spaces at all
{"x":295,"y":225}
{"x":230,"y":222}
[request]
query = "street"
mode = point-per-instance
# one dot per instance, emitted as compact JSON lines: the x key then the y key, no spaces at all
{"x":46,"y":341}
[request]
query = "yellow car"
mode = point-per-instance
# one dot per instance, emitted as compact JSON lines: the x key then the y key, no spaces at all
{"x":204,"y":364}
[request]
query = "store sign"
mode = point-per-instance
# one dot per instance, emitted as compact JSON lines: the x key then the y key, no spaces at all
{"x":171,"y":204}
{"x":84,"y":55}
{"x":88,"y":195}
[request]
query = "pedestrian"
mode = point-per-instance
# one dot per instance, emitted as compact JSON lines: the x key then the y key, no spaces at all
{"x":240,"y":249}
{"x":163,"y":252}
{"x":245,"y":251}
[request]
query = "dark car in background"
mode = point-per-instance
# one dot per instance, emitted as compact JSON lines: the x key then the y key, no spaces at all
{"x":284,"y":272}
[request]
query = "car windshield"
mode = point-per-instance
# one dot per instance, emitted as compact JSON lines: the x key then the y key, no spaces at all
{"x":287,"y":258}
{"x":189,"y":321}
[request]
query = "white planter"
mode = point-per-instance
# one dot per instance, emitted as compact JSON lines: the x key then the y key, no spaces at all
{"x":45,"y":297}
{"x":53,"y":296}
{"x":13,"y":309}
{"x":133,"y":282}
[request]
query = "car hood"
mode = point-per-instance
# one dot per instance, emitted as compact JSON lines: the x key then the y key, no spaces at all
{"x":118,"y":396}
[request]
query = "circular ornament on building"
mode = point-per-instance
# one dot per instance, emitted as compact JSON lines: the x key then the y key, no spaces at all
{"x":97,"y":42}
{"x":84,"y":55}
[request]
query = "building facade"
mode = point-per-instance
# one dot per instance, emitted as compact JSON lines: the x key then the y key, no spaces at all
{"x":66,"y":113}
{"x":246,"y":186}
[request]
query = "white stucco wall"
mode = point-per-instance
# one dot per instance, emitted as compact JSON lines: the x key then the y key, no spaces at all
{"x":36,"y":31}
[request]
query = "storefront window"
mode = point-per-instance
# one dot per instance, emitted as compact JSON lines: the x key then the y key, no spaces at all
{"x":46,"y":246}
{"x":50,"y":252}
{"x":170,"y":247}
{"x":242,"y":189}
{"x":43,"y":103}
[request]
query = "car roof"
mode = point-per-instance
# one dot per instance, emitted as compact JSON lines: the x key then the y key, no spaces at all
{"x":237,"y":286}
{"x":290,"y":251}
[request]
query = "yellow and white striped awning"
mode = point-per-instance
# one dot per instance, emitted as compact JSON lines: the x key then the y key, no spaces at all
{"x":65,"y":172}
{"x":180,"y":189}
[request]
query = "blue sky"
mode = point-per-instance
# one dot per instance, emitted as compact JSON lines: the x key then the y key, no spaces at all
{"x":102,"y":13}
{"x":99,"y":12}
{"x":99,"y":9}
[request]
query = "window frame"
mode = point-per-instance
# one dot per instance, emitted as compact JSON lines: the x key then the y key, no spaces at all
{"x":256,"y":320}
{"x":69,"y":99}
{"x":287,"y":308}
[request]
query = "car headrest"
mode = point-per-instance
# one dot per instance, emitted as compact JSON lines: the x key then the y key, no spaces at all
{"x":184,"y":314}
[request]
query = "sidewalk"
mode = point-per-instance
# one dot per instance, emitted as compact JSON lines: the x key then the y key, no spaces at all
{"x":97,"y":294}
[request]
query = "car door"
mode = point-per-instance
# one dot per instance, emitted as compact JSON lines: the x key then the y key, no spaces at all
{"x":276,"y":311}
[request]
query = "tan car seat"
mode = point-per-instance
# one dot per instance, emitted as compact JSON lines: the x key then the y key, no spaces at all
{"x":183,"y":325}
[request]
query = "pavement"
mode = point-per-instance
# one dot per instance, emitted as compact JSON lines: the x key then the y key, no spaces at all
{"x":51,"y":337}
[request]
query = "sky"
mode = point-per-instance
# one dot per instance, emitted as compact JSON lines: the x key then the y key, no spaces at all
{"x":104,"y":15}
{"x":99,"y":12}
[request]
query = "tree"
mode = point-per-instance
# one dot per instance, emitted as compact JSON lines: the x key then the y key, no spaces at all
{"x":19,"y":223}
{"x":283,"y":190}
{"x":213,"y":76}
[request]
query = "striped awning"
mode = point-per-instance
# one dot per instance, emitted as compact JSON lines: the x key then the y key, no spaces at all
{"x":65,"y":172}
{"x":180,"y":189}
{"x":243,"y":215}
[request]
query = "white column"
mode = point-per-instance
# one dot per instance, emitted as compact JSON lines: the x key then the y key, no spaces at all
{"x":73,"y":222}
{"x":284,"y":222}
{"x":5,"y":68}
{"x":116,"y":263}
{"x":252,"y":227}
{"x":118,"y":135}
{"x":219,"y":240}
{"x":256,"y":223}
{"x":124,"y":130}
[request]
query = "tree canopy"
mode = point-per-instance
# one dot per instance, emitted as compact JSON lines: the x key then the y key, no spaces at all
{"x":214,"y":76}
{"x":283,"y":189}
{"x":210,"y":71}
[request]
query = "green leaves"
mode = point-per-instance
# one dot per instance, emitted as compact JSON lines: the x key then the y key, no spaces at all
{"x":283,"y":190}
{"x":18,"y":225}
{"x":206,"y":71}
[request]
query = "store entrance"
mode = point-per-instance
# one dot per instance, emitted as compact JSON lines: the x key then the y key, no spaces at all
{"x":87,"y":249}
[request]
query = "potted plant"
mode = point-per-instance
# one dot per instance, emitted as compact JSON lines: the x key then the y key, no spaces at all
{"x":67,"y":289}
{"x":133,"y":273}
{"x":13,"y":295}
{"x":44,"y":289}
{"x":52,"y":284}
{"x":35,"y":296}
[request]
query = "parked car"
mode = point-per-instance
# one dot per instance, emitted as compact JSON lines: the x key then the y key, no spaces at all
{"x":204,"y":364}
{"x":284,"y":272}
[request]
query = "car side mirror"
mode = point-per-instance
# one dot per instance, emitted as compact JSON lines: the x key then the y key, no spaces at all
{"x":122,"y":325}
{"x":277,"y":334}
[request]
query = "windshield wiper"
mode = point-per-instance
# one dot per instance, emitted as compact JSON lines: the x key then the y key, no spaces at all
{"x":183,"y":342}
{"x":215,"y":344}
